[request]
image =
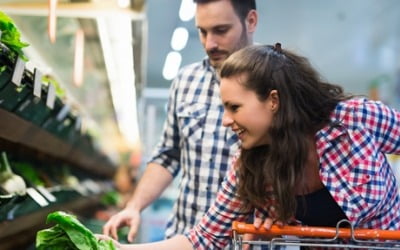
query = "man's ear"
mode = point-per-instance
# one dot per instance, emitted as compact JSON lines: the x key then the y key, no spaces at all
{"x":274,"y":100}
{"x":251,"y":21}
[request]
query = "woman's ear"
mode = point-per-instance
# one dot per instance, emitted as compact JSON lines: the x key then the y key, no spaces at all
{"x":274,"y":100}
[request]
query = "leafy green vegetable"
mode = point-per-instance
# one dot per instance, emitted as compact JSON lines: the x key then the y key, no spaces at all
{"x":10,"y":36}
{"x":69,"y":234}
{"x":74,"y":229}
{"x":9,"y":182}
{"x":110,"y":198}
{"x":27,"y":171}
{"x":47,"y":79}
{"x":54,"y":238}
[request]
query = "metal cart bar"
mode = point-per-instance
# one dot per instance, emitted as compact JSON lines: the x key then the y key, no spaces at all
{"x":331,"y":237}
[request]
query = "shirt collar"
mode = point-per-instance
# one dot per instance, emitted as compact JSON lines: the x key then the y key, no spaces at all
{"x":207,"y":65}
{"x":328,"y":134}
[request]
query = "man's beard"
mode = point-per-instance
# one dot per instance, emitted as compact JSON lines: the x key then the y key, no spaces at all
{"x":243,"y":42}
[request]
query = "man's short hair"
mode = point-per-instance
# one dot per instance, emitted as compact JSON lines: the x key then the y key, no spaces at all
{"x":241,"y":7}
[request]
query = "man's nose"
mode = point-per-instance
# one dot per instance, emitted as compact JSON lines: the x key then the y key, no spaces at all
{"x":211,"y":42}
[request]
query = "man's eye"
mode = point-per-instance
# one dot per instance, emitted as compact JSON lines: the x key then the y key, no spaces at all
{"x":234,"y":107}
{"x":202,"y":32}
{"x":221,"y":31}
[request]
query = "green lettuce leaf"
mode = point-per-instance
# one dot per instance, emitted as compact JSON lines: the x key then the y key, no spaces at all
{"x":54,"y":238}
{"x":70,"y":234}
{"x":10,"y":36}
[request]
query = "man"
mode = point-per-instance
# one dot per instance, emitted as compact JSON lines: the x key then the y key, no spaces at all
{"x":194,"y":140}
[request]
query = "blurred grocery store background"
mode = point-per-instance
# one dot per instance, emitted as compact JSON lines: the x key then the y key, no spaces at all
{"x":115,"y":60}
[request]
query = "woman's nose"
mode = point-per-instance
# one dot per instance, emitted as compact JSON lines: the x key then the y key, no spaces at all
{"x":226,"y":120}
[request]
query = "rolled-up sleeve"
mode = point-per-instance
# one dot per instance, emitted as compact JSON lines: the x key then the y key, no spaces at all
{"x":167,"y":152}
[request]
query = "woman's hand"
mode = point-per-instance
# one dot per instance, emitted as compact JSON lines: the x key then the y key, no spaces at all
{"x":267,"y":223}
{"x":257,"y":223}
{"x":177,"y":242}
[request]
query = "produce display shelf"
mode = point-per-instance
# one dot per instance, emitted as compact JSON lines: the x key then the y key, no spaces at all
{"x":36,"y":123}
{"x":17,"y":130}
{"x":22,"y":230}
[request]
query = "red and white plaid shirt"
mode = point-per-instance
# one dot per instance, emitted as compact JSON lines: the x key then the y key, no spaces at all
{"x":353,"y":167}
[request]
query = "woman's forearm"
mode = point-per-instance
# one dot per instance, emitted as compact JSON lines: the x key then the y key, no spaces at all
{"x":177,"y":242}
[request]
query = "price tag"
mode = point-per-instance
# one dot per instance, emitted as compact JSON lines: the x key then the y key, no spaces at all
{"x":51,"y":96}
{"x":37,"y":83}
{"x":49,"y":196}
{"x":92,"y":186}
{"x":24,"y":105}
{"x":18,"y":71}
{"x":63,"y":112}
{"x":81,"y":189}
{"x":37,"y":197}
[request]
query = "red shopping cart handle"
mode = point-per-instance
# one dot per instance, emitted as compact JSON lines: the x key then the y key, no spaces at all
{"x":321,"y":232}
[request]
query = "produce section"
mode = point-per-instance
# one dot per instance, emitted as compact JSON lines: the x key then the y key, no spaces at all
{"x":10,"y":183}
{"x":69,"y":233}
{"x":48,"y":161}
{"x":43,"y":128}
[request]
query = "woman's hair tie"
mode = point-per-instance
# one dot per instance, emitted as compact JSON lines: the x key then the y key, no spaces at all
{"x":278,"y":47}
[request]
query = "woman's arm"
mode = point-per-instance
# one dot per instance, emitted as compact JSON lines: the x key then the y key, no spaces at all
{"x":177,"y":242}
{"x":384,"y":123}
{"x":214,"y":230}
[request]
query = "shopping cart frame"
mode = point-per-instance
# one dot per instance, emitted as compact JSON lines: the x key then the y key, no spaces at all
{"x":325,"y":237}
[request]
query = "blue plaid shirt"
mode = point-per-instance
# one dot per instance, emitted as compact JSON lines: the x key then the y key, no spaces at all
{"x":195,"y":143}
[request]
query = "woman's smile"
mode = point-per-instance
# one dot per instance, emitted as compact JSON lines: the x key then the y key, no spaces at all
{"x":239,"y":132}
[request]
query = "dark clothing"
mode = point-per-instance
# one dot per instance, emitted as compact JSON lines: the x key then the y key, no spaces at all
{"x":319,"y":209}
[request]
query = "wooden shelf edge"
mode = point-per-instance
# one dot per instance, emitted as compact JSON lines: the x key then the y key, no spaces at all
{"x":22,"y":230}
{"x":21,"y":223}
{"x":15,"y":129}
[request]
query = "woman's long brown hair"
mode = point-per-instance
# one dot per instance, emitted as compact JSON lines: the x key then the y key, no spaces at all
{"x":305,"y":105}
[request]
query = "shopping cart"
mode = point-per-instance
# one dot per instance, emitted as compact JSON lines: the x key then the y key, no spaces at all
{"x":341,"y":237}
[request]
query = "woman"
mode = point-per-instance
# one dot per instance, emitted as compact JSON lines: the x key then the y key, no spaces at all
{"x":310,"y":154}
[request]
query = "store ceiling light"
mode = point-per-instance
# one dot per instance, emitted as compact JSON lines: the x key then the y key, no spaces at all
{"x":179,"y":38}
{"x":187,"y":10}
{"x":78,"y":58}
{"x":171,"y":65}
{"x":118,"y":57}
{"x":52,"y":20}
